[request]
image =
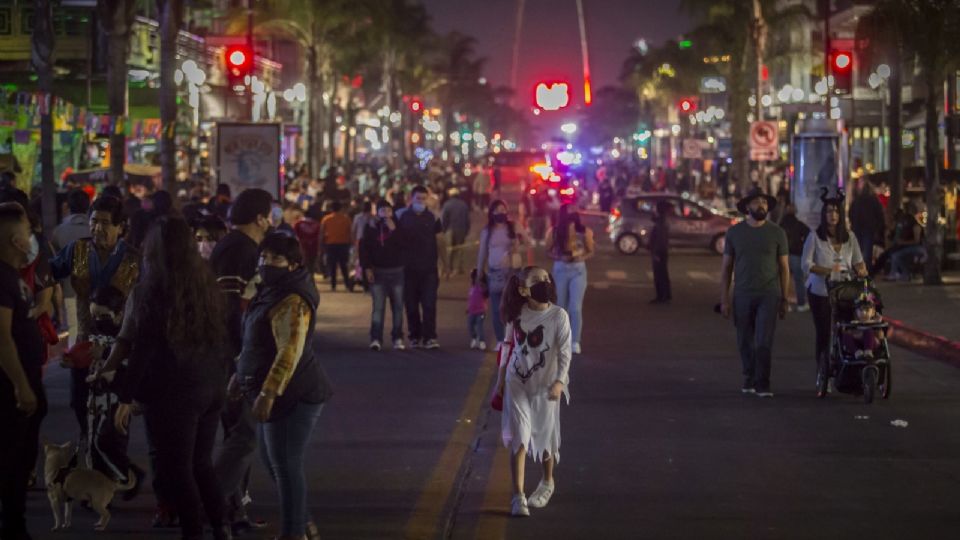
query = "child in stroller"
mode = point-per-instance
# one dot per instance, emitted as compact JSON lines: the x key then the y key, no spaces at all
{"x":859,"y":361}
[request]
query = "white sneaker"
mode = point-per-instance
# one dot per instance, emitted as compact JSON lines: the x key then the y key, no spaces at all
{"x":803,"y":308}
{"x":541,"y":496}
{"x":473,"y":343}
{"x":576,"y":348}
{"x":398,"y":345}
{"x":375,"y":345}
{"x":482,"y":346}
{"x":518,"y":507}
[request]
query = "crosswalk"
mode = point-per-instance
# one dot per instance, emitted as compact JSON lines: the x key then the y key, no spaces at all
{"x":642,"y":280}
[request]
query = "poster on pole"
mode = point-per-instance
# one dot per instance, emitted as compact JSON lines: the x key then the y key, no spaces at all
{"x":764,"y":141}
{"x":248,"y":156}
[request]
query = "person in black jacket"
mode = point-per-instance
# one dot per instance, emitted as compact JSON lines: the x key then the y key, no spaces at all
{"x":176,"y":371}
{"x":797,"y":232}
{"x":419,"y":229}
{"x":659,"y":248}
{"x":868,"y":221}
{"x":380,"y":258}
{"x":279,"y":373}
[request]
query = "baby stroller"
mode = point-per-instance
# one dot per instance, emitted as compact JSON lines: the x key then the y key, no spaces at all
{"x":853,"y":372}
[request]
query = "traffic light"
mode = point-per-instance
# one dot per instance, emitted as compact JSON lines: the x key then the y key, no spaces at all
{"x":841,"y":67}
{"x":416,"y":105}
{"x":687,"y":105}
{"x":551,"y":96}
{"x":238,"y":60}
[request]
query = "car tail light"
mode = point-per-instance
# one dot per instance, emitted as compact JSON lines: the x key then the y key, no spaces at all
{"x":567,"y":191}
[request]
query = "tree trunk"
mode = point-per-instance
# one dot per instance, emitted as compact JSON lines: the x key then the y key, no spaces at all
{"x":314,"y":99}
{"x":934,"y":233}
{"x":41,"y":59}
{"x":171,"y":17}
{"x":738,"y":128}
{"x":332,"y":122}
{"x":895,"y":121}
{"x":116,"y":16}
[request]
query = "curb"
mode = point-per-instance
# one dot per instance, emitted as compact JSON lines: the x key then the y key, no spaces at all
{"x":924,"y":343}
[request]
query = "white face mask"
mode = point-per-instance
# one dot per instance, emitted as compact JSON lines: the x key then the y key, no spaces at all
{"x":33,"y":250}
{"x":206,"y":248}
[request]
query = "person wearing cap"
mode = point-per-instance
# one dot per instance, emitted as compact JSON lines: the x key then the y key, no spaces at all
{"x":755,"y":258}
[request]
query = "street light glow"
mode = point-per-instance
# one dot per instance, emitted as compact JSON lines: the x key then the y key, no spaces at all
{"x":569,"y":128}
{"x":884,"y":71}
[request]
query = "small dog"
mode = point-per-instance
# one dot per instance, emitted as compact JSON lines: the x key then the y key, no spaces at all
{"x":66,"y":482}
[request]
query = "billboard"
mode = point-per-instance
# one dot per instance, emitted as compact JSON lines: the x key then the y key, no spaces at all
{"x":248,"y":156}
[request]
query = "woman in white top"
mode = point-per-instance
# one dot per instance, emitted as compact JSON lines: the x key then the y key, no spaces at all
{"x":830,"y":253}
{"x":534,"y":373}
{"x":499,"y":242}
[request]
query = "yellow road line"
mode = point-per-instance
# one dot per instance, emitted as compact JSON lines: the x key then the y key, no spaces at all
{"x":492,"y":523}
{"x":424,"y":523}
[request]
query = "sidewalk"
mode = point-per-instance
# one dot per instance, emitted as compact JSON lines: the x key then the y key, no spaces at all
{"x":924,"y":317}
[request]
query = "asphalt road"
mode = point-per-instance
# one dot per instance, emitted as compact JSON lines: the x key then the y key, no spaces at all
{"x":658,"y":441}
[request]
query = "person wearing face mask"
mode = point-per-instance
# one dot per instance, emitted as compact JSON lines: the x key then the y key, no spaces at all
{"x":756,"y":257}
{"x":382,"y":262}
{"x":102,"y":260}
{"x":495,"y":260}
{"x":280,"y":375}
{"x":831,"y":253}
{"x":23,"y":401}
{"x":570,"y":244}
{"x":234,"y":262}
{"x":208,"y":230}
{"x":419,"y":230}
{"x":534,"y":373}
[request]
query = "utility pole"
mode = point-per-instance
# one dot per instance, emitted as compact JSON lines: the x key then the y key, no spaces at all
{"x":514,"y":66}
{"x":587,"y":90}
{"x":760,"y":45}
{"x":253,"y":55}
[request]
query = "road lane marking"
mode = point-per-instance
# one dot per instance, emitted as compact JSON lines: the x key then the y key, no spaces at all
{"x":618,"y":275}
{"x":495,"y":510}
{"x":701,"y":276}
{"x":424,"y":522}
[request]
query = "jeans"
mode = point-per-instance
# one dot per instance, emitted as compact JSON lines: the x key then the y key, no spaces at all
{"x":571,"y":281}
{"x":456,"y":246}
{"x":820,"y":309}
{"x":18,"y":457}
{"x":420,"y":292}
{"x":475,"y":325}
{"x":239,"y":444}
{"x":184,"y":430}
{"x":902,"y":260}
{"x":283,"y":443}
{"x":387,"y":282}
{"x":661,"y":276}
{"x":756,"y":320}
{"x":338,"y":256}
{"x":799,"y":280}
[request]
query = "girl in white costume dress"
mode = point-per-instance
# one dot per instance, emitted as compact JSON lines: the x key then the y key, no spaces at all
{"x":534,"y":373}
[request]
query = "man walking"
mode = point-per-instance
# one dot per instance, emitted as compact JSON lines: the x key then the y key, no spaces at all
{"x":336,"y":237}
{"x":867,"y":220}
{"x":756,"y":256}
{"x":659,"y":249}
{"x":419,"y":230}
{"x":796,"y":232}
{"x":455,"y":218}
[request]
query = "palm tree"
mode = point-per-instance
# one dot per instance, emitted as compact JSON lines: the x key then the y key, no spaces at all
{"x":41,"y":59}
{"x":171,"y":19}
{"x":458,"y":71}
{"x":116,"y":20}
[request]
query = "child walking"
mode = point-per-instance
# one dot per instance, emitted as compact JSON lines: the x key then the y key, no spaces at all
{"x":477,"y":310}
{"x":534,"y":373}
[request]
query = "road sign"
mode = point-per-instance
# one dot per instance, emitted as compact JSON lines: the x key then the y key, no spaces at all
{"x":692,"y":149}
{"x":764,"y":141}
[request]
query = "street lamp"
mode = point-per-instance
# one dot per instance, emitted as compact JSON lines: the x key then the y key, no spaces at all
{"x":569,"y":128}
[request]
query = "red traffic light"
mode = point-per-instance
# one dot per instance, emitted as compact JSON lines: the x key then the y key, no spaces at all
{"x":416,"y":105}
{"x":239,"y":59}
{"x":842,"y":61}
{"x":551,"y":96}
{"x":687,"y":105}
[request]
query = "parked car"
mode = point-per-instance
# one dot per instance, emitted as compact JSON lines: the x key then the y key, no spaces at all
{"x":691,"y":223}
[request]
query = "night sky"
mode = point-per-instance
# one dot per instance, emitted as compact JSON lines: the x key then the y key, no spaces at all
{"x":550,"y":46}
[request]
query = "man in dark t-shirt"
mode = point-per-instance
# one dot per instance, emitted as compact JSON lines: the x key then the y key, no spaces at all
{"x":234,"y":261}
{"x":22,"y":400}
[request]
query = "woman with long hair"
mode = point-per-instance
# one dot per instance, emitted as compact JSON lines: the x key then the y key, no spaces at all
{"x":830,"y":253}
{"x":534,"y":373}
{"x":499,"y":242}
{"x":570,"y":244}
{"x":176,"y":371}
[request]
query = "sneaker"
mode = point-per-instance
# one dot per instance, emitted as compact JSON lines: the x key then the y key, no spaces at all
{"x":764,"y":393}
{"x":398,"y":345}
{"x":431,"y":344}
{"x":518,"y":506}
{"x":375,"y":345}
{"x":473,"y":344}
{"x":541,"y":496}
{"x":482,"y":346}
{"x":803,"y":309}
{"x":748,"y":390}
{"x":576,"y":348}
{"x":414,"y":343}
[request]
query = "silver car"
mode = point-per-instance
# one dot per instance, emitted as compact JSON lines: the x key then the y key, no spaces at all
{"x":691,"y":223}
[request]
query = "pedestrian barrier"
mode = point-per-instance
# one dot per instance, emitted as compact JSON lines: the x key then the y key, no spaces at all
{"x":925,"y":343}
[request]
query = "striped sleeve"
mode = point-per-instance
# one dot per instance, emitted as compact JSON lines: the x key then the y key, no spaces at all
{"x":290,"y":320}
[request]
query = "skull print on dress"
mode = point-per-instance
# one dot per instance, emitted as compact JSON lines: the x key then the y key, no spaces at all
{"x":525,"y":343}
